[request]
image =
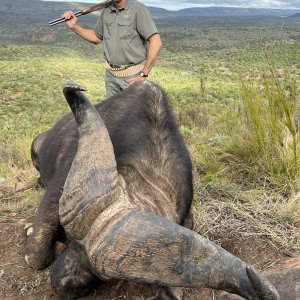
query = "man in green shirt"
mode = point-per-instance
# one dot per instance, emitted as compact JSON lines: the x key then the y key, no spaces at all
{"x":130,"y":40}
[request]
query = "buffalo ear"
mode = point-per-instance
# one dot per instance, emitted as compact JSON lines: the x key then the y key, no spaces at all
{"x":70,"y":276}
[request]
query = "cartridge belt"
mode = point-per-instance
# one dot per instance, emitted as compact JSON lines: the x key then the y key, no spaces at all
{"x":124,"y":71}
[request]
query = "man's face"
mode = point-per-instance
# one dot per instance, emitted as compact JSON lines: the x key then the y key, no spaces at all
{"x":119,"y":3}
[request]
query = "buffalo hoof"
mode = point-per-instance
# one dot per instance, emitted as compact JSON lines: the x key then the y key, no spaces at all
{"x":29,"y":229}
{"x":37,"y":254}
{"x":70,"y":86}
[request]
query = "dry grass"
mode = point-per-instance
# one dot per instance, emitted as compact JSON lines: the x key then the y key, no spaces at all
{"x":246,"y":170}
{"x":18,"y":188}
{"x":228,"y":210}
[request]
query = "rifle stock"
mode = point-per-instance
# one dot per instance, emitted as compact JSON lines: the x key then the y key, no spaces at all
{"x":83,"y":12}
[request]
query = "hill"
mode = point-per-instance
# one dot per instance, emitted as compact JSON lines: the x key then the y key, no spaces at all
{"x":51,"y":9}
{"x":295,"y":15}
{"x":232,"y":11}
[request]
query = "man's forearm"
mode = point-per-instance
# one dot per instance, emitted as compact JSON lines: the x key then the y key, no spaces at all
{"x":155,"y":45}
{"x":87,"y":34}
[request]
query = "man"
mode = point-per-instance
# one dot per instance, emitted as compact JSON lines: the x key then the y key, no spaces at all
{"x":130,"y":39}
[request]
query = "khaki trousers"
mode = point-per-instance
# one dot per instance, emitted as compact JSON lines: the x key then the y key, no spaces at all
{"x":114,"y":84}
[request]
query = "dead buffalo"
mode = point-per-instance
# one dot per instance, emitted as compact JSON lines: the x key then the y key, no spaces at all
{"x":121,"y":187}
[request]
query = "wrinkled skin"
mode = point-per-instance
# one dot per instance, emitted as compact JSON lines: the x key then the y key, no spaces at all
{"x":127,"y":191}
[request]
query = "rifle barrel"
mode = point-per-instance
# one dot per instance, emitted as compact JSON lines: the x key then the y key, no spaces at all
{"x":84,"y":12}
{"x":61,"y":20}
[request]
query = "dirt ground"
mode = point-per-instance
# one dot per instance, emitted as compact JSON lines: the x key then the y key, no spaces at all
{"x":18,"y":281}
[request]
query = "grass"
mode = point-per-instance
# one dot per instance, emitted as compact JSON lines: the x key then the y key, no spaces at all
{"x":247,"y":166}
{"x":236,"y":106}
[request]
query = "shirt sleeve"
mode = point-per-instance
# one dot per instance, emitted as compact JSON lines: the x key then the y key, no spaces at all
{"x":145,"y":24}
{"x":99,"y":28}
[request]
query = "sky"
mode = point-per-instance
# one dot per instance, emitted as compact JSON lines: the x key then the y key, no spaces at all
{"x":179,"y":4}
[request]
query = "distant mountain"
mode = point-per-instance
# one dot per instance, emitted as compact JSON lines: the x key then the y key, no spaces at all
{"x":36,"y":10}
{"x":157,"y":11}
{"x":295,"y":15}
{"x":29,"y":5}
{"x":50,"y":9}
{"x":232,"y":12}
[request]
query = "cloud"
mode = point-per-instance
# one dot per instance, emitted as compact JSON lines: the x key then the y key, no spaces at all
{"x":238,"y":3}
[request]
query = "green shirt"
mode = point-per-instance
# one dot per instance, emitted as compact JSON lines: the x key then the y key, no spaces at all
{"x":125,"y":33}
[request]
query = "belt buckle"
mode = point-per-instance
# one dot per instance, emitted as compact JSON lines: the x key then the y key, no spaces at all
{"x":114,"y":66}
{"x":117,"y":67}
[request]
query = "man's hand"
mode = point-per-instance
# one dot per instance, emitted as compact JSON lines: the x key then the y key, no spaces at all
{"x":136,"y":79}
{"x":69,"y":15}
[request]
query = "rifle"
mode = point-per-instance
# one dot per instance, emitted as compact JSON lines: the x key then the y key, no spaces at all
{"x":85,"y":11}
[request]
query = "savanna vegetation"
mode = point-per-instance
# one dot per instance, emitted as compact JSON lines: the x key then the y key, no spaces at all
{"x":234,"y":86}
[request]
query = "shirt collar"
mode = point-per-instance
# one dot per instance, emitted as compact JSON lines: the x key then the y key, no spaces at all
{"x":126,"y":6}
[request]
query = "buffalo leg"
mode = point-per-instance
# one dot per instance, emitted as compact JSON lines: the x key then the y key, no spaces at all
{"x":41,"y":236}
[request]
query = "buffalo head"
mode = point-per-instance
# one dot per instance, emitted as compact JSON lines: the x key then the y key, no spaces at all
{"x":121,"y":218}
